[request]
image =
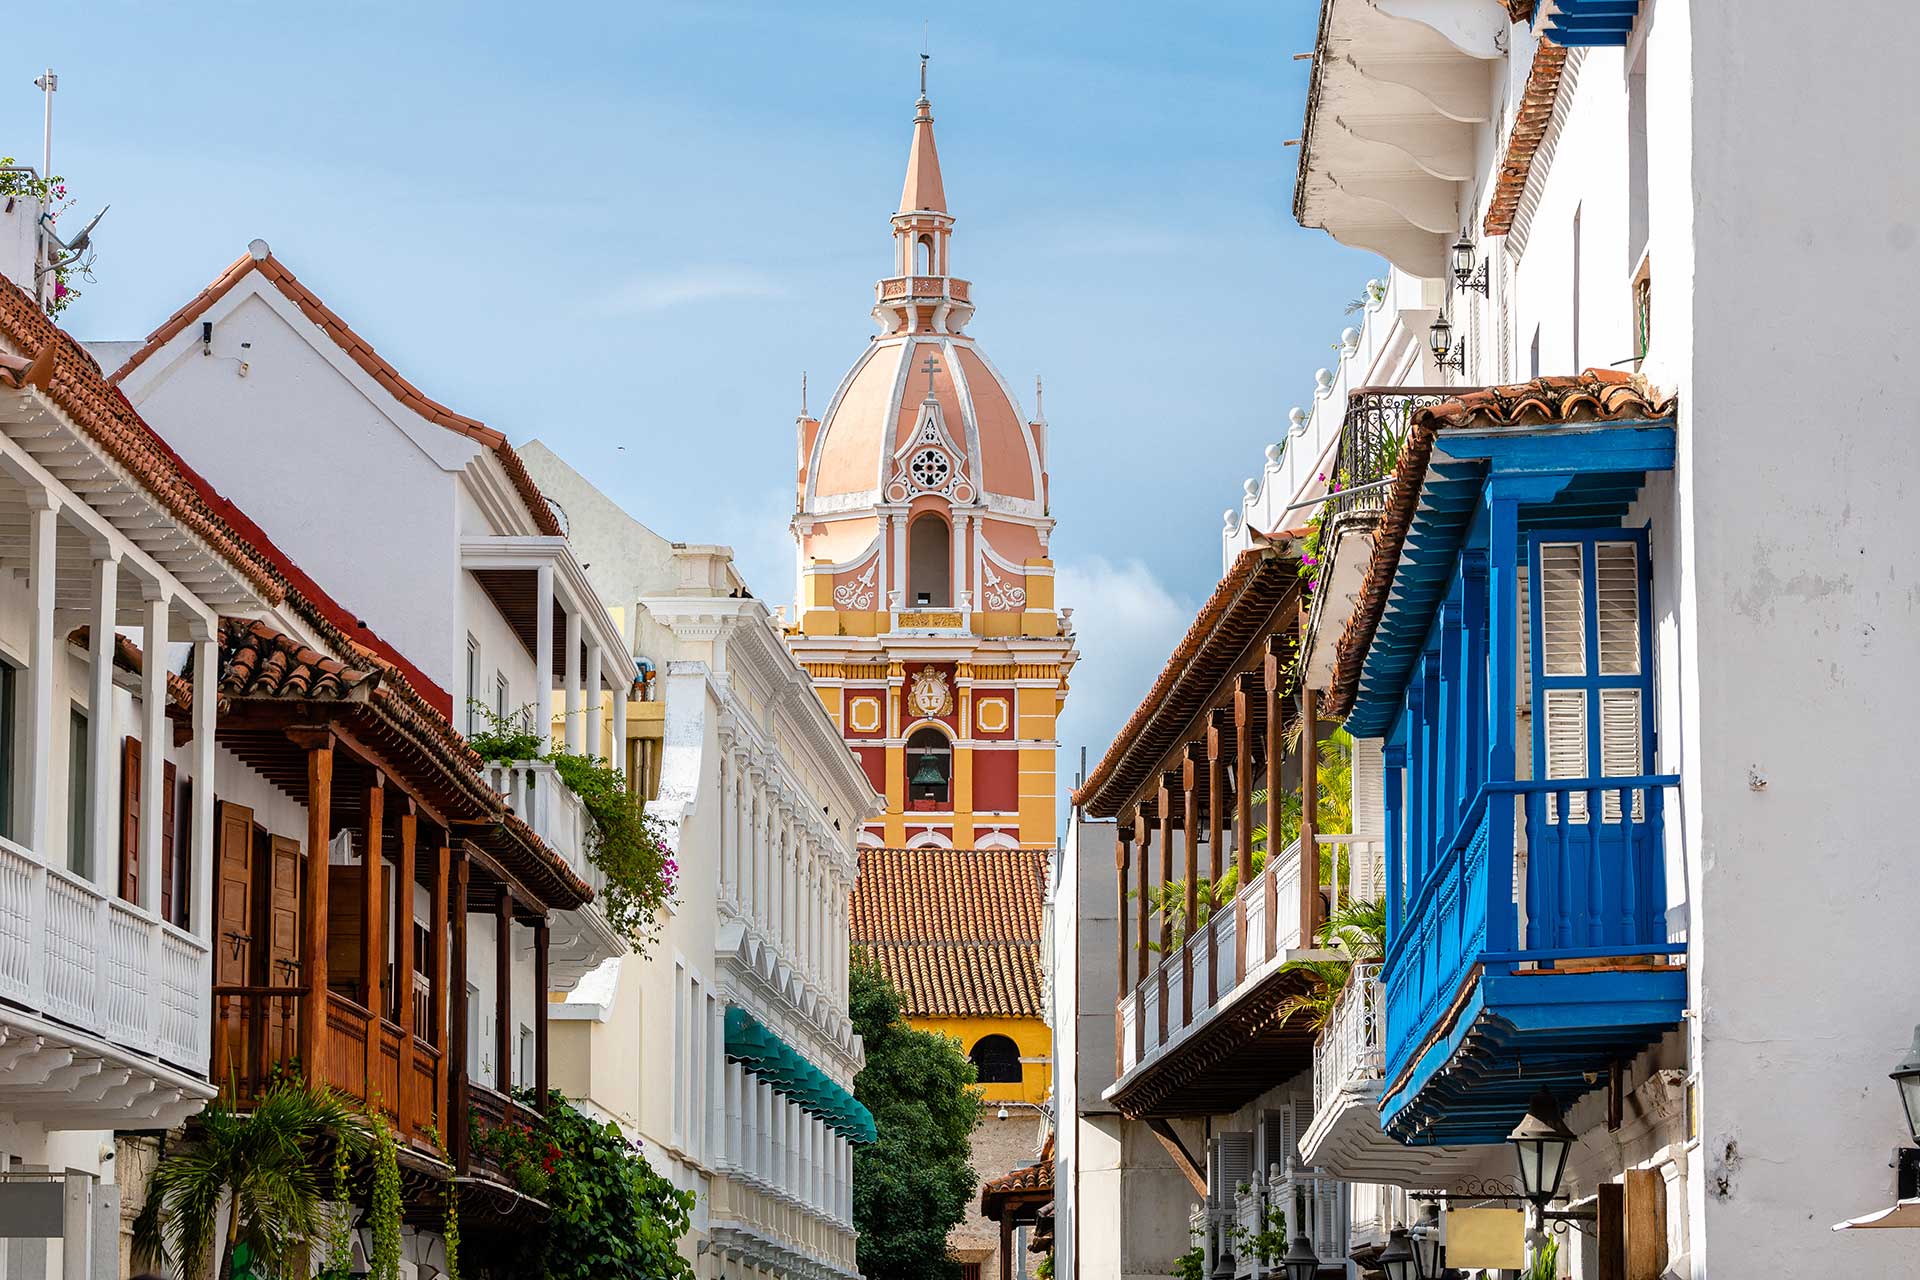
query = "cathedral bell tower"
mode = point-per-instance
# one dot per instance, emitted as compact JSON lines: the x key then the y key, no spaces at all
{"x":926,"y":611}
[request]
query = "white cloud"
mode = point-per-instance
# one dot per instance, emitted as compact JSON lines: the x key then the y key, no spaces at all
{"x":1127,"y":625}
{"x":687,"y":287}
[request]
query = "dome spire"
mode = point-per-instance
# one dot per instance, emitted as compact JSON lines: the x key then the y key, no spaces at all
{"x":923,"y":190}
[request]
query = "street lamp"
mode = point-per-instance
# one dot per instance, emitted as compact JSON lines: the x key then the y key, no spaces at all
{"x":1446,"y":353}
{"x":1907,"y":1076}
{"x":1397,"y":1258}
{"x":1542,"y":1141}
{"x":1463,"y":273}
{"x":1429,"y":1254}
{"x":1300,"y":1261}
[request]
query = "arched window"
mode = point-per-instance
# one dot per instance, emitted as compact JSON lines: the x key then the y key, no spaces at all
{"x":923,"y":256}
{"x":996,"y":1060}
{"x":929,"y":770}
{"x":930,"y":563}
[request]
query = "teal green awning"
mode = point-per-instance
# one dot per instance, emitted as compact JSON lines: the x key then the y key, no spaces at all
{"x":782,"y":1066}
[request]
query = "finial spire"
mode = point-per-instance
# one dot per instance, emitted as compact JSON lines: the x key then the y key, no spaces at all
{"x":925,"y":54}
{"x":803,"y":393}
{"x":1039,"y":413}
{"x":924,"y":190}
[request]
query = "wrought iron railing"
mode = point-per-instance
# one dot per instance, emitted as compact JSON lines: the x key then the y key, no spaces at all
{"x":1371,"y":437}
{"x":1348,"y":1051}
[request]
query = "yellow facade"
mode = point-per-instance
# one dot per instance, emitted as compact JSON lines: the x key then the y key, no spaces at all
{"x":1029,"y":1034}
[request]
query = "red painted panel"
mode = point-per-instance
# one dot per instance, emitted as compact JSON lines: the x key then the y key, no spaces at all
{"x":1003,"y":715}
{"x":996,"y":781}
{"x":874,"y":761}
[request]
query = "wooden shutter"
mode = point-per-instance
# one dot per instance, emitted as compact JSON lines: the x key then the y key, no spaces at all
{"x":233,"y":898}
{"x":1617,"y":627}
{"x":283,"y":907}
{"x":1563,"y":652}
{"x":1235,"y":1151}
{"x":166,"y":841}
{"x":129,"y":818}
{"x":180,"y":883}
{"x":1590,"y":622}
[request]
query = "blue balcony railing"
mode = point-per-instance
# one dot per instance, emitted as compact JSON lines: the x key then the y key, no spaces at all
{"x":1593,"y":887}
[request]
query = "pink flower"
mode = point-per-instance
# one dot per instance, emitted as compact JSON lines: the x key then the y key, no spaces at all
{"x":59,"y":289}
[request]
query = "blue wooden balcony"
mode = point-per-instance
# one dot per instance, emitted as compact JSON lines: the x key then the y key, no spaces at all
{"x":1500,"y":984}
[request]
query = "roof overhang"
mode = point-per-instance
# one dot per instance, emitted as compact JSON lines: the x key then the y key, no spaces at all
{"x":1399,"y":90}
{"x":499,"y":561}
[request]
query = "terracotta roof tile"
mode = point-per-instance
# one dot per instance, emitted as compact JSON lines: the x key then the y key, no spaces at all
{"x":61,"y":370}
{"x":1529,"y":126}
{"x":127,"y":657}
{"x":957,"y":931}
{"x":1598,"y":395}
{"x":1258,"y":579}
{"x":363,"y":354}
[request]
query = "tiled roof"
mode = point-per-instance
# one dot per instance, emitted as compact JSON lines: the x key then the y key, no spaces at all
{"x":127,"y":657}
{"x":1019,"y":1188}
{"x":1258,"y":579}
{"x":263,"y":663}
{"x":1598,"y":395}
{"x":1529,"y":126}
{"x":956,"y":930}
{"x":60,"y":369}
{"x":363,"y":355}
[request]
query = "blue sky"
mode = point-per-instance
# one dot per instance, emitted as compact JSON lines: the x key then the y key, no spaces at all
{"x":627,"y":229}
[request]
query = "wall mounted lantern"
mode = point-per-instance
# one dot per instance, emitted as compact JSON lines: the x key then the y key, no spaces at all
{"x":1301,"y":1262}
{"x":1429,"y":1254}
{"x":1541,"y":1141}
{"x":1447,"y":353}
{"x":1464,"y":276}
{"x":1906,"y":1160}
{"x":1397,"y":1258}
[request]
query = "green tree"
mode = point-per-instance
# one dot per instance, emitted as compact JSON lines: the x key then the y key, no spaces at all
{"x":913,"y":1185}
{"x":263,"y":1160}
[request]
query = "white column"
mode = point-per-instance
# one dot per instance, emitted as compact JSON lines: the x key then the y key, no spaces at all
{"x":43,"y":533}
{"x":543,"y":650}
{"x":154,"y":739}
{"x":959,"y":549}
{"x":596,"y":678}
{"x":900,"y":561}
{"x":622,"y":681}
{"x":727,"y":871}
{"x":206,"y":685}
{"x":576,"y":731}
{"x":102,"y":777}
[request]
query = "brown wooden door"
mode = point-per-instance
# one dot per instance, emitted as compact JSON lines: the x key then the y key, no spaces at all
{"x":283,"y":908}
{"x":166,"y":844}
{"x":130,"y":819}
{"x":233,"y":898}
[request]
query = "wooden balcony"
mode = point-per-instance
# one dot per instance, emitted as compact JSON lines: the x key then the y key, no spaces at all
{"x":367,"y":1058}
{"x":1508,"y":974}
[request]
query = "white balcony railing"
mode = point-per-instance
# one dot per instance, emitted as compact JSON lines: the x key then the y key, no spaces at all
{"x":101,"y":964}
{"x":1187,"y":984}
{"x":1348,"y":1052}
{"x":534,"y":791}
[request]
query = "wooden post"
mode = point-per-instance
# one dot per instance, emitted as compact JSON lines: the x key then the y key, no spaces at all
{"x":1611,"y":1229}
{"x":1310,"y":912}
{"x":1169,"y":781}
{"x":437,"y":978}
{"x":1246,"y":688}
{"x":1122,"y":854}
{"x":403,"y":958}
{"x":313,"y":928}
{"x":1275,"y":676}
{"x":1006,"y":1243}
{"x":540,"y":1012}
{"x":455,"y":1057}
{"x":1190,"y":848}
{"x":1216,"y":837}
{"x":373,"y":867}
{"x":1143,"y":829}
{"x":503,"y":990}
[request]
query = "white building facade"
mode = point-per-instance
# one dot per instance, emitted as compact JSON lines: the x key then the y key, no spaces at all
{"x":748,"y":1102}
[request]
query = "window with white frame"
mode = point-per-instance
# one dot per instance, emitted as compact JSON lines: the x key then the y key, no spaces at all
{"x":1592,"y":679}
{"x":9,"y":682}
{"x":473,"y":684}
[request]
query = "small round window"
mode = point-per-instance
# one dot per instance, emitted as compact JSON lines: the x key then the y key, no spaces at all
{"x":930,"y":468}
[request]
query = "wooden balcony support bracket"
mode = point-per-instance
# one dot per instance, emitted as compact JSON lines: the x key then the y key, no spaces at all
{"x":1182,"y":1158}
{"x":1246,"y":689}
{"x":311,"y":1019}
{"x":1216,"y":836}
{"x":403,"y":941}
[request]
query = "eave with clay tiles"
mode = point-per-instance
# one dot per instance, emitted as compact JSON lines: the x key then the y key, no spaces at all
{"x":259,"y":260}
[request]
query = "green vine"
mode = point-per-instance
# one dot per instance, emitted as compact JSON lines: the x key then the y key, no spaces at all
{"x":385,"y":1210}
{"x":625,"y":843}
{"x":1191,"y":1265}
{"x":1267,"y":1245}
{"x":340,"y":1226}
{"x":450,"y":1230}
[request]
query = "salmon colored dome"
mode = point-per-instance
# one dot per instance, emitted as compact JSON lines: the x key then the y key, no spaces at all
{"x":896,"y":429}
